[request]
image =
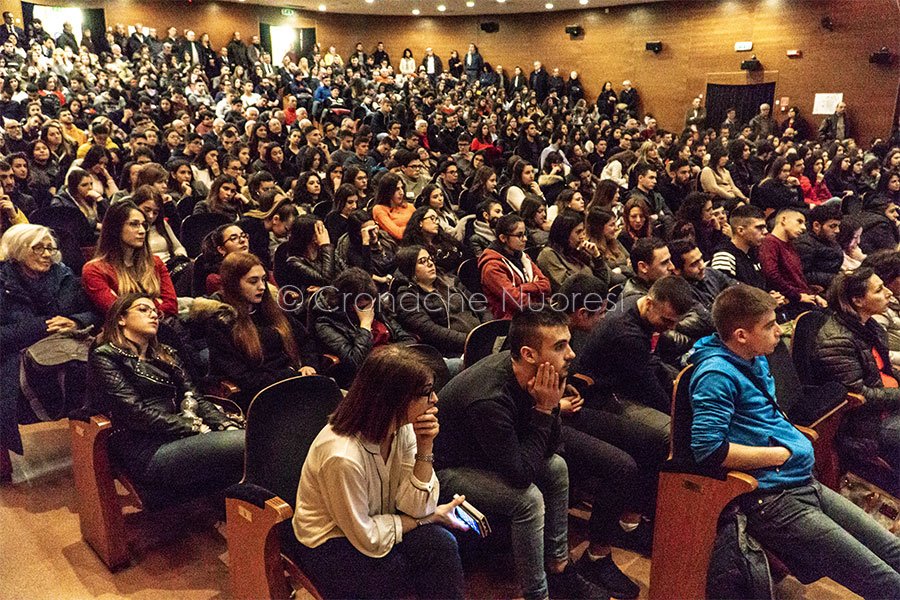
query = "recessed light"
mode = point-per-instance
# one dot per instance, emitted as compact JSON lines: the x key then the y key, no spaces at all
{"x":441,"y":8}
{"x":583,"y":2}
{"x":470,"y":4}
{"x":500,"y":1}
{"x":549,"y":6}
{"x":416,"y":11}
{"x":322,"y":7}
{"x":369,"y":1}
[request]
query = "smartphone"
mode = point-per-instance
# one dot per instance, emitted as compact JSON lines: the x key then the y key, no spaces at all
{"x":473,"y":517}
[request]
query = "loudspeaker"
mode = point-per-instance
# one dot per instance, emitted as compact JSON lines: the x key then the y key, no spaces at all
{"x":655,"y":47}
{"x":575,"y":31}
{"x":882,"y":57}
{"x":827,"y":23}
{"x":751,"y":65}
{"x":490,"y":27}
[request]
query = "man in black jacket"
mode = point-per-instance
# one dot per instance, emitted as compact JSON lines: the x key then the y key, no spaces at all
{"x":539,"y":82}
{"x":819,"y":251}
{"x":501,"y":428}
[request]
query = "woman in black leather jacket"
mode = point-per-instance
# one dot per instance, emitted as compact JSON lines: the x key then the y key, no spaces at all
{"x":141,"y":385}
{"x":438,"y":310}
{"x":852,"y":348}
{"x":349,"y":322}
{"x":309,"y":261}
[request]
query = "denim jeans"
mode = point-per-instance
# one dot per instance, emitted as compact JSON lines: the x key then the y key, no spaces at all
{"x":818,"y":533}
{"x":204,"y":462}
{"x":539,"y":515}
{"x":425,"y":563}
{"x":889,"y":438}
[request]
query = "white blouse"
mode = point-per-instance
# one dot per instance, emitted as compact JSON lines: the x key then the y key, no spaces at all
{"x":347,"y":490}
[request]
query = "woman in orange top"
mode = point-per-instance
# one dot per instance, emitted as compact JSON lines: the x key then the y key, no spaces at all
{"x":392,"y":211}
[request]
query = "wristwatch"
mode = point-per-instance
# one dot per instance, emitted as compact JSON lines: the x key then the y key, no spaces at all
{"x":429,"y":458}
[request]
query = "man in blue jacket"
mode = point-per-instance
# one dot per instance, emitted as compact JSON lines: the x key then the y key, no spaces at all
{"x":738,"y":424}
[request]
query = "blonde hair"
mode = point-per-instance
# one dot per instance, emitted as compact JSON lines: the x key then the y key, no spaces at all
{"x":18,"y":240}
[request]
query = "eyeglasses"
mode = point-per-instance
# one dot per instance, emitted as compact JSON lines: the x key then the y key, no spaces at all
{"x":432,"y":218}
{"x":416,"y":166}
{"x":41,"y":250}
{"x":138,"y":225}
{"x":237,"y":236}
{"x":146,"y":309}
{"x":521,"y":235}
{"x":425,"y":260}
{"x":426,"y":393}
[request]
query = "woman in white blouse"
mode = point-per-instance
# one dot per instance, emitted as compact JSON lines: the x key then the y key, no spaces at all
{"x":367,"y":517}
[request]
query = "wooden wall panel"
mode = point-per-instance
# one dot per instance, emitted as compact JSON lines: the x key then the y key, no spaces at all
{"x":698,"y":39}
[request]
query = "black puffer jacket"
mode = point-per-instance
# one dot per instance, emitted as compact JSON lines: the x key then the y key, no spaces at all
{"x":442,"y":318}
{"x":821,"y":260}
{"x":843,"y":353}
{"x":303,"y":273}
{"x":878,"y":231}
{"x":143,"y":398}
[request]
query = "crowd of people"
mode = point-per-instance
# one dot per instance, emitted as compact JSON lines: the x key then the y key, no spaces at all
{"x":342,"y":197}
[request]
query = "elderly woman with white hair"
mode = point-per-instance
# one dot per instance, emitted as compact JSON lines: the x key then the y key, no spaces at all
{"x":39,"y":296}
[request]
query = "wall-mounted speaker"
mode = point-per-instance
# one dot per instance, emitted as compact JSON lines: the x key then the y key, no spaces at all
{"x":654,"y":47}
{"x":751,"y":65}
{"x":575,"y":31}
{"x":827,"y":23}
{"x":882,"y":57}
{"x":490,"y":27}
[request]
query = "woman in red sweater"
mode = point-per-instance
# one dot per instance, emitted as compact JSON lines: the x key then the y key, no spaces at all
{"x":812,"y":182}
{"x":125,"y":264}
{"x":391,"y":211}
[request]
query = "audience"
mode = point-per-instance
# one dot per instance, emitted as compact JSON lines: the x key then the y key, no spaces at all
{"x":428,"y":160}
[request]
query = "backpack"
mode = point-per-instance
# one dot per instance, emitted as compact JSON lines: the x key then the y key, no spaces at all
{"x":53,"y":373}
{"x":739,"y":567}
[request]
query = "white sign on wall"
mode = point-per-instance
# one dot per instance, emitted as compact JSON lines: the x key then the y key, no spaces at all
{"x":825,"y":104}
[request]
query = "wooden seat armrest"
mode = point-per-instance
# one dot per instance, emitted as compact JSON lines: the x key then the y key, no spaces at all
{"x":854,"y":399}
{"x":255,"y":566}
{"x":587,"y":379}
{"x":811,"y":434}
{"x":687,"y":516}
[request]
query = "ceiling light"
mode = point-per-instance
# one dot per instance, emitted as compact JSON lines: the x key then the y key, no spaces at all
{"x":500,"y":1}
{"x":549,"y":6}
{"x":441,"y":8}
{"x":416,"y":11}
{"x":369,"y":1}
{"x":581,"y":2}
{"x":322,"y":7}
{"x":470,"y":4}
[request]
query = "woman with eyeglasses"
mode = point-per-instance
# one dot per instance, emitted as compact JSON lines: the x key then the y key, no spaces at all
{"x":218,"y":244}
{"x":436,"y":309}
{"x":367,"y":501}
{"x":360,"y":180}
{"x":39,"y":296}
{"x":423,"y":229}
{"x":510,"y":280}
{"x":141,"y":384}
{"x":124,"y":263}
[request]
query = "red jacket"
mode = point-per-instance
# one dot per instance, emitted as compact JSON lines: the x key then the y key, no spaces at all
{"x":783,"y":268}
{"x":99,"y":280}
{"x":814,"y":193}
{"x":509,"y":289}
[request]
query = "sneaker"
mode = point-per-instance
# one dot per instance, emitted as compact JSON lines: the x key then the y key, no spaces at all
{"x":640,"y":540}
{"x":569,"y":584}
{"x":604,"y":572}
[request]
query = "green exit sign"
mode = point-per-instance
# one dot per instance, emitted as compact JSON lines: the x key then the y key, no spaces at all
{"x":288,"y":12}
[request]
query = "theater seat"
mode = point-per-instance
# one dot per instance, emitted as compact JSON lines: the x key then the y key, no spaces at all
{"x":282,"y":422}
{"x":486,"y":339}
{"x":689,"y":503}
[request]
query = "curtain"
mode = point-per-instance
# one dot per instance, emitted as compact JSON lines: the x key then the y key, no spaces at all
{"x":745,"y":99}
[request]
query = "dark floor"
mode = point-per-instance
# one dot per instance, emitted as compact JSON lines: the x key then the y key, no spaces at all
{"x":42,"y":554}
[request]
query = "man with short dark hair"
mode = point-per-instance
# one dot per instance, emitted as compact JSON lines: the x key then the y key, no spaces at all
{"x":645,"y":189}
{"x":782,"y":266}
{"x":738,"y":257}
{"x":737,"y":425}
{"x":583,"y":297}
{"x":530,"y":144}
{"x":820,"y":253}
{"x":10,"y":28}
{"x":650,"y":260}
{"x":500,"y":431}
{"x":677,"y":183}
{"x":19,"y":199}
{"x":706,"y":283}
{"x":360,"y":157}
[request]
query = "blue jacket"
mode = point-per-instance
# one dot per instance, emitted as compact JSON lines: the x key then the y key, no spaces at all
{"x":733,"y":401}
